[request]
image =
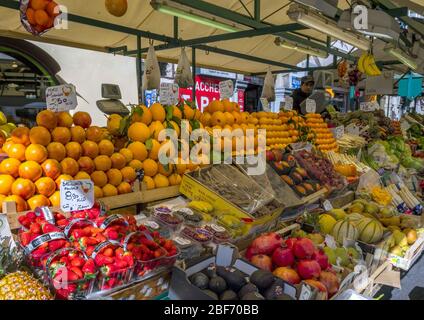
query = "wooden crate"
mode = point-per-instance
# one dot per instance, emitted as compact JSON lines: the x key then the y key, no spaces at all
{"x":414,"y":252}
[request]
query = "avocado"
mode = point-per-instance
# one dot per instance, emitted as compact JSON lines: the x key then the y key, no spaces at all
{"x":210,"y":271}
{"x":211,"y":294}
{"x":228,"y":295}
{"x":234,"y":278}
{"x":274,"y":291}
{"x":253,"y":296}
{"x":250,"y":287}
{"x":200,"y":280}
{"x":284,"y":297}
{"x":217,"y":285}
{"x":262,"y":279}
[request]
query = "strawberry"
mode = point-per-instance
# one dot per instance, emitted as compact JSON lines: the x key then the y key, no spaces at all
{"x":56,"y":268}
{"x":48,"y":227}
{"x":24,"y":221}
{"x":89,"y":268}
{"x":62,"y":222}
{"x":26,"y":237}
{"x":158,"y":253}
{"x":39,"y":252}
{"x":56,"y":244}
{"x":128,"y":258}
{"x":89,"y":250}
{"x":92,"y":241}
{"x":99,"y":221}
{"x":155,"y":234}
{"x":31,"y":215}
{"x":100,"y":237}
{"x":72,"y":276}
{"x":35,"y":228}
{"x":119,"y":253}
{"x":120,"y":264}
{"x":108,"y":270}
{"x":77,"y":262}
{"x":78,"y":272}
{"x":111,"y":234}
{"x":59,"y":216}
{"x":83,"y":243}
{"x":79,"y":215}
{"x":130,"y":246}
{"x":112,"y":282}
{"x":103,"y":260}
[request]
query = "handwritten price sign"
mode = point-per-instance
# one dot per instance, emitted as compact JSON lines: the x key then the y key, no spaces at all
{"x":168,"y":93}
{"x":226,"y":89}
{"x":76,"y":195}
{"x":311,"y":106}
{"x":61,"y":98}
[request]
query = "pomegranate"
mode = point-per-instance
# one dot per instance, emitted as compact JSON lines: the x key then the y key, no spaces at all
{"x":262,"y":262}
{"x":322,"y":259}
{"x":266,"y":244}
{"x":289,"y":275}
{"x":283,"y":257}
{"x":249,"y":253}
{"x":290,"y":242}
{"x":303,"y":248}
{"x":308,"y":269}
{"x":318,"y":285}
{"x":270,"y":156}
{"x":330,"y":281}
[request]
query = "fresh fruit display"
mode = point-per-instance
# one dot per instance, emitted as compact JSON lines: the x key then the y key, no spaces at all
{"x":401,"y":196}
{"x":38,"y":16}
{"x":381,"y":196}
{"x":397,"y":147}
{"x":397,"y":128}
{"x":350,"y":141}
{"x":321,"y":135}
{"x":349,"y":160}
{"x":320,"y":169}
{"x":200,"y":235}
{"x":402,"y":240}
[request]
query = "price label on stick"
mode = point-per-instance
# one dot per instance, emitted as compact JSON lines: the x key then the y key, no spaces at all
{"x":338,"y":132}
{"x":289,"y":103}
{"x":226,"y":89}
{"x":168,"y":94}
{"x":311,"y":106}
{"x":327,"y":205}
{"x":61,"y":98}
{"x":76,"y":195}
{"x":265,"y":104}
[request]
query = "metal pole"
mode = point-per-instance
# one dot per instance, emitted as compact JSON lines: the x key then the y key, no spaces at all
{"x":139,"y":72}
{"x":307,"y":63}
{"x":193,"y":62}
{"x":176,"y":27}
{"x":257,"y":10}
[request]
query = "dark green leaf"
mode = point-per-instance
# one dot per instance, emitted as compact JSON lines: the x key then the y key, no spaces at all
{"x":177,"y":121}
{"x":169,"y":112}
{"x":149,"y":144}
{"x":195,"y":124}
{"x":166,"y":167}
{"x":139,"y":111}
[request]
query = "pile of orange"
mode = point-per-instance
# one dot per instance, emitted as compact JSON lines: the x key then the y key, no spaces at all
{"x":321,"y":135}
{"x":41,"y":14}
{"x":62,"y":147}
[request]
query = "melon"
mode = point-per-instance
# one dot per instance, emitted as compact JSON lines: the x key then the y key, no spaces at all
{"x":326,"y":223}
{"x":355,"y":217}
{"x":344,"y":229}
{"x":370,"y":230}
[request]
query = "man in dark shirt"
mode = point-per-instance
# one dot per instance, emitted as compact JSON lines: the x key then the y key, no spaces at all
{"x":305,"y":90}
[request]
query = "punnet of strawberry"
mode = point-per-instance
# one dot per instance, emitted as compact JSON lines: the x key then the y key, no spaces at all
{"x":71,"y":273}
{"x":116,"y":265}
{"x":115,"y":227}
{"x":32,"y":217}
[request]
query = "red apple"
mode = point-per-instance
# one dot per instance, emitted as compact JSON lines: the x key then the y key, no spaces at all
{"x":308,"y":269}
{"x":267,"y":243}
{"x":283,"y":257}
{"x":262,"y":262}
{"x":287,"y":274}
{"x":303,"y":248}
{"x":318,"y":285}
{"x":331,"y":282}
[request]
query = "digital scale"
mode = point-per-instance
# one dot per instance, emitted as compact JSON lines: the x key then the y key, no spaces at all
{"x":112,"y":103}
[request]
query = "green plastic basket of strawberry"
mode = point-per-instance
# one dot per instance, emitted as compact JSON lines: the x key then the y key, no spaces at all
{"x":116,"y":265}
{"x":71,"y":273}
{"x":84,"y":235}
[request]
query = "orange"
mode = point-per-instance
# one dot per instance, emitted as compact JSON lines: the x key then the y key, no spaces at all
{"x":82,"y":176}
{"x":174,"y":179}
{"x":86,"y":164}
{"x":205,"y":119}
{"x":215,"y":106}
{"x":21,"y":135}
{"x":47,"y":119}
{"x":78,"y":134}
{"x":172,"y":125}
{"x":94,"y":134}
{"x":61,"y":134}
{"x":158,"y":112}
{"x":124,"y":187}
{"x":146,"y":118}
{"x":38,"y":201}
{"x":148,"y":181}
{"x":229,"y":118}
{"x":63,"y":177}
{"x":69,"y":166}
{"x":73,"y":150}
{"x":56,"y":151}
{"x":36,"y":152}
{"x":16,"y":151}
{"x":128,"y":174}
{"x":189,"y":112}
{"x":109,"y":190}
{"x":154,"y":149}
{"x":113,"y":124}
{"x":21,"y":204}
{"x":161,"y":181}
{"x":127,"y":153}
{"x":99,"y":178}
{"x":198,"y":114}
{"x":106,"y":147}
{"x":218,"y":119}
{"x":31,"y":16}
{"x":64,"y":119}
{"x":139,"y":150}
{"x":165,"y":171}
{"x":45,"y":186}
{"x":192,"y":167}
{"x":38,"y":4}
{"x":237,"y":117}
{"x":82,"y":119}
{"x":53,"y":10}
{"x":10,"y":166}
{"x":136,"y":164}
{"x":98,"y":192}
{"x":7,"y":145}
{"x":90,"y":149}
{"x":244,"y":117}
{"x":118,"y":160}
{"x":51,"y":168}
{"x":6,"y":182}
{"x":138,"y":131}
{"x":150,"y":167}
{"x":41,"y":17}
{"x":102,"y":163}
{"x":155,"y":129}
{"x":176,"y":112}
{"x":228,"y":106}
{"x":55,"y":199}
{"x":114,"y":177}
{"x":30,"y":170}
{"x":180,"y":167}
{"x":236,"y":107}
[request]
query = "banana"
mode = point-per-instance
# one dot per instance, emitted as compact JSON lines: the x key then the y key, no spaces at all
{"x":370,"y":66}
{"x":202,"y":206}
{"x":361,"y":63}
{"x":374,"y":67}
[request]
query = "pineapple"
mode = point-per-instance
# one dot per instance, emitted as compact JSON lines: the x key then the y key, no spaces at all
{"x":17,"y":285}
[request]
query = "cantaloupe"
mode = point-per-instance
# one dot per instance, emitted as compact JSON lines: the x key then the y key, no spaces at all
{"x":355,"y":217}
{"x":370,"y":230}
{"x":344,"y":229}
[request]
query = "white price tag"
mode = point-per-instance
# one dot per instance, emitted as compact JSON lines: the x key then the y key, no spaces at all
{"x":226,"y":89}
{"x":61,"y":98}
{"x":5,"y":231}
{"x":76,"y":195}
{"x":327,"y":205}
{"x":353,"y":129}
{"x":311,"y":106}
{"x":369,"y":106}
{"x":338,"y":132}
{"x":265,"y":104}
{"x":289,"y":103}
{"x":168,"y":94}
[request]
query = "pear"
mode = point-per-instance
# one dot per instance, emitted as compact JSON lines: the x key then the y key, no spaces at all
{"x":3,"y":118}
{"x":411,"y":236}
{"x":356,"y":208}
{"x":316,"y":238}
{"x":343,"y":255}
{"x":372,"y":208}
{"x":386,"y":213}
{"x":338,"y":214}
{"x":354,"y":253}
{"x":393,"y":228}
{"x":332,"y":258}
{"x":400,"y":238}
{"x":396,"y":250}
